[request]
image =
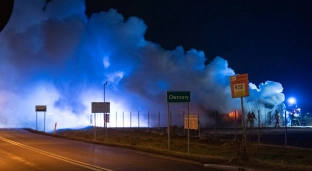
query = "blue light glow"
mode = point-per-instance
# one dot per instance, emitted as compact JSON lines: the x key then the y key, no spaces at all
{"x":61,"y":58}
{"x":291,"y":100}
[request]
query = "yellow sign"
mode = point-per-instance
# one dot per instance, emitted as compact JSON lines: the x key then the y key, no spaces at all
{"x":239,"y":85}
{"x":193,"y":122}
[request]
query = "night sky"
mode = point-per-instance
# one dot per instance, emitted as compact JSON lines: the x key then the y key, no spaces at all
{"x":269,"y":40}
{"x":6,"y":7}
{"x":61,"y":53}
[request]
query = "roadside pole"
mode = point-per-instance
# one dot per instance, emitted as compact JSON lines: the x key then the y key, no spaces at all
{"x":177,"y":97}
{"x":44,"y":122}
{"x":105,"y":125}
{"x":40,"y":108}
{"x":94,"y":126}
{"x":168,"y":129}
{"x":188,"y":128}
{"x":100,"y":107}
{"x":36,"y":121}
{"x":240,"y":89}
{"x":235,"y":123}
{"x":244,"y":127}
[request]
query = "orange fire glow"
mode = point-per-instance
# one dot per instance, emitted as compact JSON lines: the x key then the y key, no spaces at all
{"x":232,"y":114}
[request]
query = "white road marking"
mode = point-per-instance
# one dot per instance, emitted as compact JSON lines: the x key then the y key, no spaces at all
{"x":65,"y":159}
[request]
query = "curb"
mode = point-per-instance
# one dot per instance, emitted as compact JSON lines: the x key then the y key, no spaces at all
{"x":229,"y":168}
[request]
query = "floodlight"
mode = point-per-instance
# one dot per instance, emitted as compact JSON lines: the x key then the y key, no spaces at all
{"x":291,"y":100}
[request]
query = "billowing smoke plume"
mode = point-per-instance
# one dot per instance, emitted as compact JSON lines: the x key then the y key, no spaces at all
{"x":60,"y":58}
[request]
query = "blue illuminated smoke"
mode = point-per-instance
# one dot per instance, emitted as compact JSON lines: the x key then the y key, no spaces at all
{"x":60,"y":58}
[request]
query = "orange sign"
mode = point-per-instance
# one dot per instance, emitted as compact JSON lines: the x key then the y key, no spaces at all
{"x":239,"y":85}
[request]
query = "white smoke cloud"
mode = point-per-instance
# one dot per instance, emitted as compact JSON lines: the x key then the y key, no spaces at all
{"x":60,"y":58}
{"x":267,"y":97}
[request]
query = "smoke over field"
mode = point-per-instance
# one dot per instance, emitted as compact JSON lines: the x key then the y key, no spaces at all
{"x":53,"y":54}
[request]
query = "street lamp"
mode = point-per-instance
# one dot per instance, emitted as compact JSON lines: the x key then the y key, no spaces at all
{"x":291,"y":101}
{"x":104,"y":89}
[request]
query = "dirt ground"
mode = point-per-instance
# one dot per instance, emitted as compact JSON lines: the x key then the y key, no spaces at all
{"x":295,"y":136}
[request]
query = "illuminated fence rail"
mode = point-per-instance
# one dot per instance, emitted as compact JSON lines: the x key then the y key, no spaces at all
{"x":139,"y":119}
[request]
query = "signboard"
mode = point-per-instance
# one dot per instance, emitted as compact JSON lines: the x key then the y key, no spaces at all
{"x":178,"y":96}
{"x":193,"y":122}
{"x":239,"y":85}
{"x":100,"y":107}
{"x":41,"y":108}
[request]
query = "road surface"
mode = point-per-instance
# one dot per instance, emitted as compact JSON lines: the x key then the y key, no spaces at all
{"x":22,"y":150}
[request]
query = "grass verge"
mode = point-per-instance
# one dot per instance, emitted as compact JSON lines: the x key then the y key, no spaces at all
{"x":203,"y":150}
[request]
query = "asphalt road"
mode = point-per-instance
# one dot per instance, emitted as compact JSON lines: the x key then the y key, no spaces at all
{"x":22,"y":150}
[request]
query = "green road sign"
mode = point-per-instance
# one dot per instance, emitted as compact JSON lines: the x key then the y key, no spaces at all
{"x":178,"y":96}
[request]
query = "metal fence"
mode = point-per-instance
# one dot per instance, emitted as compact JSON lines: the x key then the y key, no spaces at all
{"x":138,"y":119}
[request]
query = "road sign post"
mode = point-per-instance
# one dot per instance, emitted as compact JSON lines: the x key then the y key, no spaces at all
{"x":100,"y":107}
{"x":179,"y":97}
{"x":240,"y":89}
{"x":40,"y":108}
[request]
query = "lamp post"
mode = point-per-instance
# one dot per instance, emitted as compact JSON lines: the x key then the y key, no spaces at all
{"x":104,"y":89}
{"x":291,"y":101}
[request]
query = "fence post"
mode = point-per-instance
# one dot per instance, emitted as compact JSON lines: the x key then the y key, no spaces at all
{"x":138,"y":119}
{"x":158,"y":120}
{"x":215,"y":124}
{"x":123,"y":120}
{"x":116,"y":119}
{"x":130,"y":119}
{"x":183,"y":123}
{"x":148,"y":118}
{"x":235,"y":123}
{"x":285,"y":129}
{"x":258,"y":126}
{"x":198,"y":125}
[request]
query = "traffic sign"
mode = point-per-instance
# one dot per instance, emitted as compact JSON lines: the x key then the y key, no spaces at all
{"x":41,"y":108}
{"x":100,"y":107}
{"x":239,"y":85}
{"x":178,"y":96}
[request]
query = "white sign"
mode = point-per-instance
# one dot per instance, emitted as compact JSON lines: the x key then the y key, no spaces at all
{"x":239,"y":88}
{"x":100,"y":107}
{"x":41,"y":108}
{"x":193,"y":122}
